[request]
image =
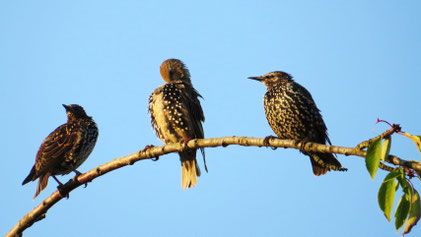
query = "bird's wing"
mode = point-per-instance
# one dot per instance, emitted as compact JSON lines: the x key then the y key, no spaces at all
{"x":307,"y":101}
{"x":193,"y":110}
{"x":151,"y":109}
{"x":197,"y":116}
{"x":55,"y":146}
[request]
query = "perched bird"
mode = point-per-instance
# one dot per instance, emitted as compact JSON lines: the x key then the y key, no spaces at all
{"x":292,"y":114}
{"x":177,"y":116}
{"x":65,"y":149}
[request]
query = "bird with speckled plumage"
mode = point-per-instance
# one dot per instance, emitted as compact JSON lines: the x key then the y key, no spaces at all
{"x":292,"y":114}
{"x":65,"y":149}
{"x":177,"y":116}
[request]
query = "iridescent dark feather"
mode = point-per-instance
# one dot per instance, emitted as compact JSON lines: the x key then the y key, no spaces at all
{"x":177,"y":116}
{"x":65,"y":149}
{"x":292,"y":114}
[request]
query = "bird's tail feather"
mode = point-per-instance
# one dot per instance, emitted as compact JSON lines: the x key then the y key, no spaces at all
{"x":31,"y":176}
{"x":42,"y":183}
{"x":324,"y":162}
{"x":202,"y":150}
{"x":189,"y":169}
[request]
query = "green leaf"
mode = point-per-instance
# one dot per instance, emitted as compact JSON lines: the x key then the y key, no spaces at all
{"x":402,"y":211}
{"x":416,"y":139}
{"x":372,"y":158}
{"x":406,"y":186}
{"x":386,"y":148}
{"x":386,"y":194}
{"x":405,"y":203}
{"x":414,"y":214}
{"x":397,"y":172}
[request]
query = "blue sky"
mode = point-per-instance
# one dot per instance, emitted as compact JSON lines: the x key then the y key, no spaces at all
{"x":359,"y":59}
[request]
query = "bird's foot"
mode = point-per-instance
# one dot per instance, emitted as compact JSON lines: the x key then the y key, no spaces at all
{"x":184,"y":143}
{"x":61,"y":189}
{"x":156,"y":158}
{"x":148,"y":147}
{"x":63,"y":192}
{"x":266,"y":141}
{"x":303,"y":143}
{"x":77,"y":175}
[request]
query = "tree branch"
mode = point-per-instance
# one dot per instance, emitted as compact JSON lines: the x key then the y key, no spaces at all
{"x":40,"y":211}
{"x":395,"y":128}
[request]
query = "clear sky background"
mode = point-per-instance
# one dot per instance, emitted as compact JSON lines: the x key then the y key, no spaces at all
{"x":361,"y":60}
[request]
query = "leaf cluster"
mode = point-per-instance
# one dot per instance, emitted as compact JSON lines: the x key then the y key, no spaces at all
{"x":408,"y":209}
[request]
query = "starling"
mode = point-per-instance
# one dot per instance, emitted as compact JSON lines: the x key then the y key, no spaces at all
{"x":177,"y":116}
{"x":65,"y":149}
{"x":292,"y":114}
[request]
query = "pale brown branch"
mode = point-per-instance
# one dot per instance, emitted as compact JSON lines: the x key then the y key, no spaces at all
{"x":39,"y":212}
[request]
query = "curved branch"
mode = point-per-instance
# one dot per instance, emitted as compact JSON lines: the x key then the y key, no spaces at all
{"x":39,"y":212}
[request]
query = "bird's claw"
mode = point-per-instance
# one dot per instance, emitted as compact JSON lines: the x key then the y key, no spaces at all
{"x":61,"y":188}
{"x":303,"y":143}
{"x":184,"y":143}
{"x":77,"y":175}
{"x":148,"y":147}
{"x":266,"y":141}
{"x":62,"y":191}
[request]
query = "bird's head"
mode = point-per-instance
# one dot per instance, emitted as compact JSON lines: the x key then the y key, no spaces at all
{"x":273,"y":78}
{"x":74,"y":112}
{"x":173,"y":70}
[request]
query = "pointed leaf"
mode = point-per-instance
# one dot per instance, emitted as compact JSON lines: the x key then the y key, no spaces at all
{"x":386,"y":195}
{"x":406,"y":186}
{"x":397,"y":172}
{"x":414,"y":214}
{"x":386,"y":148}
{"x":416,"y":139}
{"x":402,"y":211}
{"x":372,"y":158}
{"x":410,"y":195}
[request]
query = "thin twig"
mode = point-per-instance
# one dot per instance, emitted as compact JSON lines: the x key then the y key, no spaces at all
{"x":395,"y":128}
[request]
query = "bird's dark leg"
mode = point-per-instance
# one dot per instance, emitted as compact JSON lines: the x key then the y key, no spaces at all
{"x":77,"y":175}
{"x":303,"y":144}
{"x":266,"y":141}
{"x":60,"y":188}
{"x":58,"y":181}
{"x":184,"y":142}
{"x":156,"y":158}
